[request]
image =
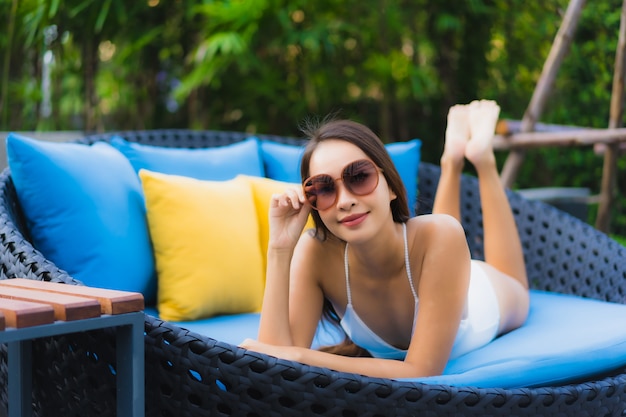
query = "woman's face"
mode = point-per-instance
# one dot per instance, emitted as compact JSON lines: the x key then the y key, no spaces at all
{"x":352,"y":215}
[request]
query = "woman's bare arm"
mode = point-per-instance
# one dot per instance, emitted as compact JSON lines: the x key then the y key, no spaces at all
{"x":288,"y":215}
{"x":381,"y":368}
{"x":274,"y":323}
{"x":292,"y":305}
{"x":443,"y":287}
{"x":443,"y":291}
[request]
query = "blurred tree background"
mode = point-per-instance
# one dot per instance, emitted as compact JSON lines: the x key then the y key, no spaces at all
{"x":266,"y":65}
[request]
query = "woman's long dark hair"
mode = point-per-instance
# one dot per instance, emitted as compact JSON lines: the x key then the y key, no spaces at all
{"x":362,"y":137}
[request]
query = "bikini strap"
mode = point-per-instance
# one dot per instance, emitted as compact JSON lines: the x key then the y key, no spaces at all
{"x":347,"y":269}
{"x":407,"y":266}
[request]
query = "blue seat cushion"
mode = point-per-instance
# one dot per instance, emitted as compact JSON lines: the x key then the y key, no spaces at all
{"x":564,"y":339}
{"x":235,"y":328}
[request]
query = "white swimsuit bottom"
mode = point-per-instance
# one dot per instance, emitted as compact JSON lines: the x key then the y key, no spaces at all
{"x":481,"y":320}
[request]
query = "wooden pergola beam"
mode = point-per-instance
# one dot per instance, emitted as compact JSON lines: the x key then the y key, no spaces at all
{"x":574,"y":137}
{"x":559,"y":49}
{"x":507,"y":127}
{"x":609,"y":169}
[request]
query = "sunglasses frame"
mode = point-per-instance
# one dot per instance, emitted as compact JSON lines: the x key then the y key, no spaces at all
{"x":344,"y":174}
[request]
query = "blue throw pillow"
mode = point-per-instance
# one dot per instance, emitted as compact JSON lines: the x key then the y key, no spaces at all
{"x":282,"y":163}
{"x":220,"y":163}
{"x":84,"y":208}
{"x":406,"y":157}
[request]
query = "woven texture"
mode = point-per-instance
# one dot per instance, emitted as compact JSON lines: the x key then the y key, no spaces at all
{"x":192,"y":375}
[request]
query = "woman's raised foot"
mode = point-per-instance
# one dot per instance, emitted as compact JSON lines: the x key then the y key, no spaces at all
{"x":483,"y":117}
{"x":457,"y":133}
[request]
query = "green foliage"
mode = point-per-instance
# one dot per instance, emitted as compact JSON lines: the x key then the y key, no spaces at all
{"x":266,"y":65}
{"x":230,"y":30}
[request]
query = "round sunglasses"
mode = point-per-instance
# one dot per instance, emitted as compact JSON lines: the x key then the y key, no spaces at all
{"x":359,"y":177}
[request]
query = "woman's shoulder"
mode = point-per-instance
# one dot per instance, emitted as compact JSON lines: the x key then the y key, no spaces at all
{"x":438,"y":229}
{"x":318,"y":261}
{"x":313,"y":242}
{"x":310,"y":249}
{"x":434,"y":223}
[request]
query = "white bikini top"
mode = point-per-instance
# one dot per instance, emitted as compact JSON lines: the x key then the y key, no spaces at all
{"x":358,"y":331}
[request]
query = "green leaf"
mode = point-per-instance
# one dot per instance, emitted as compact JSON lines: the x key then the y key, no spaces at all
{"x":201,"y":75}
{"x":54,"y":8}
{"x":228,"y":43}
{"x":78,"y":9}
{"x":102,"y":16}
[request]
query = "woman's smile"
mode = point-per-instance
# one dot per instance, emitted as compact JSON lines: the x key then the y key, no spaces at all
{"x":353,"y":219}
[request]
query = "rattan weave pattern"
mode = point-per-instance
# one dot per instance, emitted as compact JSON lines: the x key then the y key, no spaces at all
{"x":234,"y":382}
{"x":183,"y":138}
{"x":193,"y":375}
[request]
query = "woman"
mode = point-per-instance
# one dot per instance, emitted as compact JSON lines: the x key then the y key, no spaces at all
{"x":405,"y":290}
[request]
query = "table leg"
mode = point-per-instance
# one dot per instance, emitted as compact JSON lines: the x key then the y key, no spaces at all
{"x":19,"y":358}
{"x":130,"y":369}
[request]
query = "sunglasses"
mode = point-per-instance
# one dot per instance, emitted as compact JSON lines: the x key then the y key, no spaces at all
{"x":359,"y":177}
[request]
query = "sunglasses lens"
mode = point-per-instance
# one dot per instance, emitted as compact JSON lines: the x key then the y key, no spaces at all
{"x":361,"y":177}
{"x":320,"y":191}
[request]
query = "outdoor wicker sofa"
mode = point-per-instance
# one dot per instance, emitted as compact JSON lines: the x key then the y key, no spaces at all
{"x":192,"y":375}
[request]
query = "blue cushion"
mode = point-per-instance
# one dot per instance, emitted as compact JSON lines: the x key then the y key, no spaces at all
{"x":235,"y":328}
{"x":565,"y":338}
{"x":218,"y":164}
{"x":406,"y":157}
{"x":282,"y":163}
{"x":84,"y":209}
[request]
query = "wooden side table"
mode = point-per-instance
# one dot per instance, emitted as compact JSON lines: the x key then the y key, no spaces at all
{"x":32,"y":309}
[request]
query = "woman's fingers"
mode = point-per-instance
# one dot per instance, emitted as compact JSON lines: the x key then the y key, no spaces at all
{"x":290,"y":198}
{"x":288,"y":215}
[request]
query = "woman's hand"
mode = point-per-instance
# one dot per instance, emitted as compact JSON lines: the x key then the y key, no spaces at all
{"x":288,"y":214}
{"x":282,"y":352}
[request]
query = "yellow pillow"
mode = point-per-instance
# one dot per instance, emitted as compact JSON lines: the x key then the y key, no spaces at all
{"x":206,"y":246}
{"x":263,"y":189}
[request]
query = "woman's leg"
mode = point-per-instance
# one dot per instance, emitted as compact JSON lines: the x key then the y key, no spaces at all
{"x":447,"y":197}
{"x":469,"y":134}
{"x":503,"y":248}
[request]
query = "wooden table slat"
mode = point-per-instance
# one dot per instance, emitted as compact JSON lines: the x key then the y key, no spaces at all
{"x":21,"y":314}
{"x":66,"y":307}
{"x":111,"y":301}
